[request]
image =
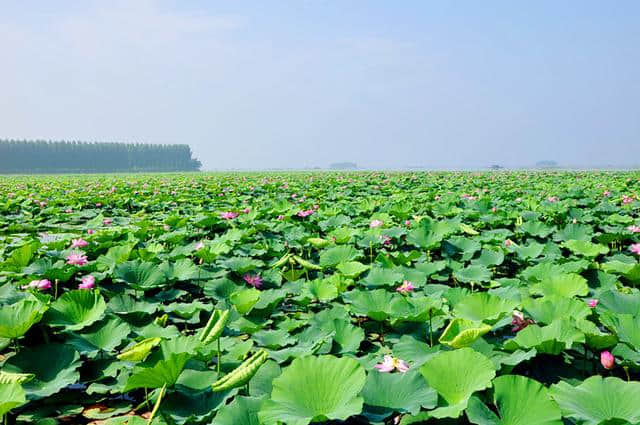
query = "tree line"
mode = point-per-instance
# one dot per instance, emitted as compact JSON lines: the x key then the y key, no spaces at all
{"x":21,"y":156}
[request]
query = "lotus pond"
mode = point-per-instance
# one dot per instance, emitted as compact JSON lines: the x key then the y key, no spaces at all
{"x":297,"y":298}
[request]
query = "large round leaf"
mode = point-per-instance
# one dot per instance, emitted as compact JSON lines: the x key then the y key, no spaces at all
{"x":314,"y":389}
{"x":599,"y":400}
{"x":16,"y":319}
{"x":456,"y":375}
{"x":241,"y":411}
{"x":11,"y":395}
{"x":480,"y":306}
{"x":140,"y":275}
{"x":385,"y":393}
{"x":462,"y":333}
{"x":164,"y":372}
{"x":54,"y":366}
{"x":76,"y":309}
{"x":519,"y":401}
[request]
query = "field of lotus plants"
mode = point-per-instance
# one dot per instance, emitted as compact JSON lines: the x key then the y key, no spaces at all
{"x":297,"y":298}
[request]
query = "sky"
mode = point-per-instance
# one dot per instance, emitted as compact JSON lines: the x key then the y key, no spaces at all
{"x":257,"y":84}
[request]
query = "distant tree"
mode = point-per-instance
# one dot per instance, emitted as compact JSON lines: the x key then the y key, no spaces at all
{"x":79,"y":157}
{"x":496,"y":167}
{"x":343,"y":166}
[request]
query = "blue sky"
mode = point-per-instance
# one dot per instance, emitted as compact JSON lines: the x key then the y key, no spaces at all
{"x":262,"y":84}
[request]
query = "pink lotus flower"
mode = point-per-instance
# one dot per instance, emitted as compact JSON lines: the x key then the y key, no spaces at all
{"x":199,"y":246}
{"x":635,"y":248}
{"x":407,"y":223}
{"x":606,"y":193}
{"x":41,"y":285}
{"x":77,"y":259}
{"x":246,"y":210}
{"x":78,"y":243}
{"x":375,"y":224}
{"x":592,"y":303}
{"x":107,"y":221}
{"x":508,"y":242}
{"x":406,"y":287}
{"x":280,"y":217}
{"x":305,"y":213}
{"x":68,"y":210}
{"x":634,"y":229}
{"x":494,"y":209}
{"x":391,"y":363}
{"x":87,"y":282}
{"x":253,"y":280}
{"x":607,"y":360}
{"x":42,"y":204}
{"x":627,"y":199}
{"x":90,"y":232}
{"x":98,"y":204}
{"x":228,"y":215}
{"x":519,"y":322}
{"x":552,"y":199}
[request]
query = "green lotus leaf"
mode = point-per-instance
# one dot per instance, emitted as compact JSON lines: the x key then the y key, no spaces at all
{"x":15,"y":378}
{"x":352,"y":269}
{"x":241,"y":411}
{"x":105,"y":335}
{"x":314,"y":389}
{"x":76,"y":309}
{"x":428,"y":234}
{"x":489,"y":258}
{"x":375,"y":304}
{"x":16,"y":319}
{"x":338,"y":254}
{"x":536,"y":228}
{"x":552,"y":307}
{"x":245,"y":299}
{"x":519,"y":401}
{"x":560,"y":335}
{"x":574,"y":231}
{"x":115,"y":255}
{"x":456,"y":375}
{"x":625,"y":326}
{"x":140,"y":275}
{"x":618,"y":302}
{"x":386,"y":393}
{"x":378,"y":276}
{"x":473,"y":273}
{"x":11,"y":396}
{"x":585,"y":248}
{"x":182,"y":270}
{"x":164,"y":372}
{"x":140,"y":350}
{"x":480,"y":306}
{"x":125,"y":305}
{"x":564,"y":285}
{"x":323,"y":290}
{"x":599,"y":400}
{"x":462,"y":332}
{"x":54,"y":366}
{"x":242,"y":265}
{"x":526,"y":252}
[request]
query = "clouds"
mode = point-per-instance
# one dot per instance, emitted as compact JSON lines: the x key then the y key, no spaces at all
{"x":292,"y":84}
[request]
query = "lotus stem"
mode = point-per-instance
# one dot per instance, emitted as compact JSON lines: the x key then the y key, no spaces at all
{"x":146,"y":398}
{"x":430,"y":328}
{"x":626,"y":371}
{"x":218,"y":363}
{"x":157,"y":405}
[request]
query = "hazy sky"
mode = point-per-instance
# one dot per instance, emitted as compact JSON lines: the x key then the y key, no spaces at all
{"x":260,"y":84}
